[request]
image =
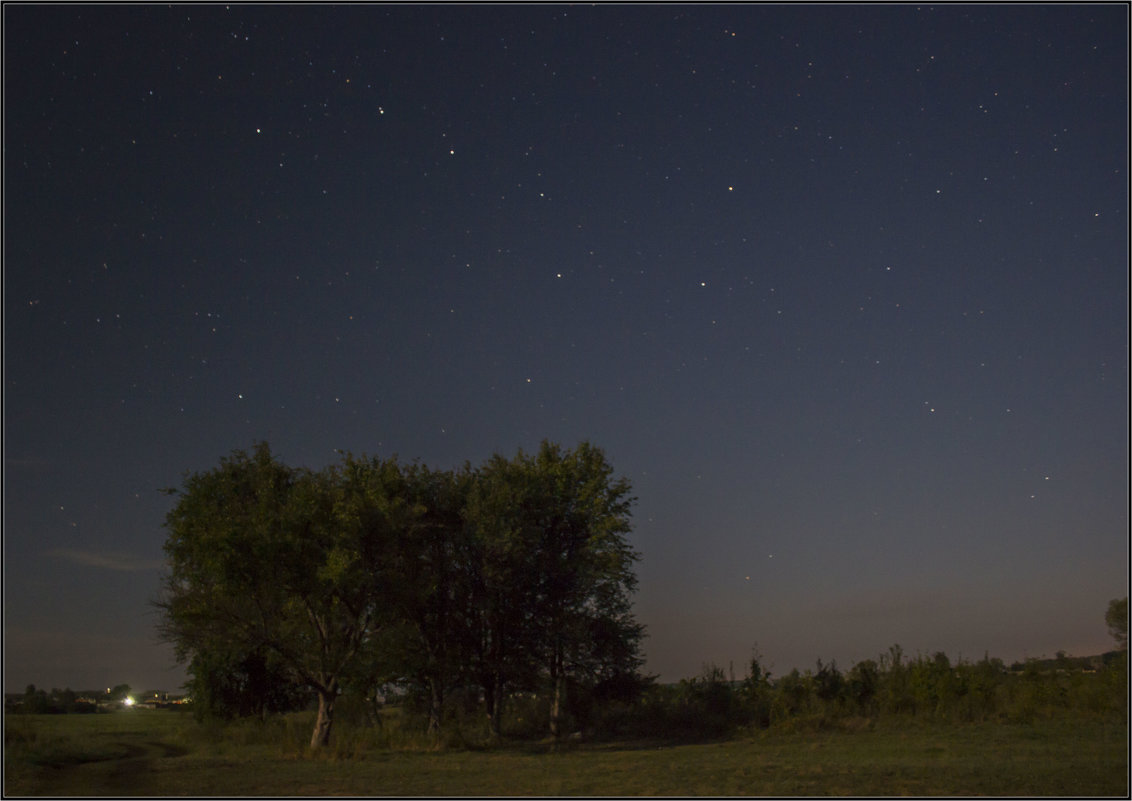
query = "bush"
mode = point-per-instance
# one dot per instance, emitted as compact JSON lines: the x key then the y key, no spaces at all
{"x":792,"y":696}
{"x":861,"y":687}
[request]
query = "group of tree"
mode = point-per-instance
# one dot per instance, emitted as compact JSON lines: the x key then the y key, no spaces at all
{"x":285,"y":583}
{"x":42,"y":702}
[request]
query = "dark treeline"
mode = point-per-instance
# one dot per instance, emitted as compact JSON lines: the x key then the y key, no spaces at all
{"x":66,"y":701}
{"x":893,"y":685}
{"x":458,"y":587}
{"x":56,"y":702}
{"x":927,"y":688}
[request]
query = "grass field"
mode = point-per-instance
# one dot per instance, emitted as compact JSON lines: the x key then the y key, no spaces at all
{"x":157,"y":753}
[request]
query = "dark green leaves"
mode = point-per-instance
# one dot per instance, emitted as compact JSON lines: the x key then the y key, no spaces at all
{"x":371,"y":571}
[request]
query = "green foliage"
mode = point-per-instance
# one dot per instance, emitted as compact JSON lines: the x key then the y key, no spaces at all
{"x":828,"y":682}
{"x":862,"y":687}
{"x":756,"y":693}
{"x":57,"y":702}
{"x":548,"y":576}
{"x":228,"y":685}
{"x":707,"y":704}
{"x":514,"y":576}
{"x":895,"y":692}
{"x":793,"y":696}
{"x":928,"y":690}
{"x":35,"y":701}
{"x":267,"y":561}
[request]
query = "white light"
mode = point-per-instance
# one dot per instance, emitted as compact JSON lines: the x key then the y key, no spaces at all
{"x":129,"y":701}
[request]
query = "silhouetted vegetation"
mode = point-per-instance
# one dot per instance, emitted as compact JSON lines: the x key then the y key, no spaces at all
{"x":35,"y":701}
{"x":457,"y":590}
{"x":925,"y":688}
{"x":891,"y":689}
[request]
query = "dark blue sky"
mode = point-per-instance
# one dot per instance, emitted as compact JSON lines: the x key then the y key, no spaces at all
{"x":842,"y":290}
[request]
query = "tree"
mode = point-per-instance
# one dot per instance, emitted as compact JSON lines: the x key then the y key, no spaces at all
{"x":367,"y":572}
{"x":433,"y":601}
{"x":551,"y":577}
{"x":1117,"y":619}
{"x":35,"y":701}
{"x":862,"y":683}
{"x":564,"y":519}
{"x":66,"y":698}
{"x":586,"y":571}
{"x":264,"y":558}
{"x":828,"y":682}
{"x":228,"y":685}
{"x":757,"y":690}
{"x":501,"y":553}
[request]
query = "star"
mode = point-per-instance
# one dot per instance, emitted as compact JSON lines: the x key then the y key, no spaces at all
{"x":637,"y":214}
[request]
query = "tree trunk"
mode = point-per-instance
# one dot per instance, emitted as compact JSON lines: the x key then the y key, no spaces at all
{"x":493,"y":698}
{"x":556,"y":706}
{"x":436,"y":703}
{"x":373,"y":711}
{"x":321,"y":736}
{"x":558,"y":680}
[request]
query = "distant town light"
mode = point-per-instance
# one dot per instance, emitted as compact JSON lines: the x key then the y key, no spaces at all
{"x":129,"y":701}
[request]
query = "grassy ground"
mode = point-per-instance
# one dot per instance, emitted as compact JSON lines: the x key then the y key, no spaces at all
{"x":143,"y":752}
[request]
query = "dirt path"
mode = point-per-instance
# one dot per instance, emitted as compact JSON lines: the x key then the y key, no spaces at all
{"x":128,"y":774}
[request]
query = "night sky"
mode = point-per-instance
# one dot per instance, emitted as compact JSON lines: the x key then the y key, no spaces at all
{"x":842,"y":291}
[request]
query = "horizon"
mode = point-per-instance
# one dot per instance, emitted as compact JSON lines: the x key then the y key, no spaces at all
{"x":741,"y":669}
